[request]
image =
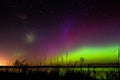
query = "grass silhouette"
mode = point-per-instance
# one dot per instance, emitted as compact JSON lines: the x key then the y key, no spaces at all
{"x":22,"y":71}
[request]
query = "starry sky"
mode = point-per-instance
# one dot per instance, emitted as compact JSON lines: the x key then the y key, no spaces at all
{"x":40,"y":29}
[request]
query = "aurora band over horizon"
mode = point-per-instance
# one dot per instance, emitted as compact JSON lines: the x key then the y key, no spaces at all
{"x":105,"y":54}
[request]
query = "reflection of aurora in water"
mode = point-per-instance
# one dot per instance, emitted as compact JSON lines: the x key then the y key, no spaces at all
{"x":106,"y":54}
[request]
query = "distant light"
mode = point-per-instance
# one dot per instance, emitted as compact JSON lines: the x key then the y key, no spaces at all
{"x":3,"y":62}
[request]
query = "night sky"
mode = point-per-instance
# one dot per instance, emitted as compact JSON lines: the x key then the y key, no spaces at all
{"x":39,"y":29}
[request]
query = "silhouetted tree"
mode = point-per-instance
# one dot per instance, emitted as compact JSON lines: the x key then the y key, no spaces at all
{"x":82,"y":60}
{"x":20,"y":63}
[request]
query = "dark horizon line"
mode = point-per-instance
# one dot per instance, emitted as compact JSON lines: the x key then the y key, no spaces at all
{"x":67,"y":66}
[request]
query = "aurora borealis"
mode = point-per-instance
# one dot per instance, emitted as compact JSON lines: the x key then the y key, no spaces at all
{"x":40,"y":30}
{"x":105,"y":54}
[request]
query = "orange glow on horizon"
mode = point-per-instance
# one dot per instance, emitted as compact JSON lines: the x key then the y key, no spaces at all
{"x":4,"y":61}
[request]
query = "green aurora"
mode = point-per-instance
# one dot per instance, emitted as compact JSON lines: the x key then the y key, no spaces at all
{"x":106,"y":54}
